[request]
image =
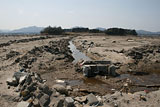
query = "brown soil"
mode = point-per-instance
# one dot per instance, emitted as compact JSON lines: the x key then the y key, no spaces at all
{"x":51,"y":58}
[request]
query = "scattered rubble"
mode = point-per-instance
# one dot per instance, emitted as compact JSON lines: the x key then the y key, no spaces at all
{"x":27,"y":85}
{"x":11,"y":54}
{"x":59,"y":48}
{"x":34,"y":92}
{"x":148,"y":54}
{"x":25,"y":40}
{"x":138,"y":52}
{"x":32,"y":89}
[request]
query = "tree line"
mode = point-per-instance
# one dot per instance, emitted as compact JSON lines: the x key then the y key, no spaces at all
{"x":111,"y":31}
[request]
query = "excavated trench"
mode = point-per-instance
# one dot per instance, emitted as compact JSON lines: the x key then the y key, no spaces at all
{"x":77,"y":55}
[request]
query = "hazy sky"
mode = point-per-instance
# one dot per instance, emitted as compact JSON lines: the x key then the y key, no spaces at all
{"x":134,"y":14}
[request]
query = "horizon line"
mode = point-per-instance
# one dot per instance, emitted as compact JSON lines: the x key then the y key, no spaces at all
{"x":74,"y":27}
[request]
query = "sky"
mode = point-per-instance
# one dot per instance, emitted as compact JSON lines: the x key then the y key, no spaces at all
{"x":132,"y":14}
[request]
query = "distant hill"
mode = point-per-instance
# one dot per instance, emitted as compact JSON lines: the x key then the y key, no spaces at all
{"x":31,"y":29}
{"x":25,"y":30}
{"x":143,"y":32}
{"x":4,"y":31}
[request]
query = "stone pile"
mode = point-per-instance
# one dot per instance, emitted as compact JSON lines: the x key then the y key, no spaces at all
{"x":33,"y":92}
{"x":59,"y":48}
{"x":24,"y":40}
{"x":31,"y":88}
{"x":138,"y":53}
{"x":11,"y":54}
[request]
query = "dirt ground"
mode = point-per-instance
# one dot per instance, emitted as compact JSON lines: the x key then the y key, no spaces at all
{"x":118,"y":49}
{"x":51,"y":57}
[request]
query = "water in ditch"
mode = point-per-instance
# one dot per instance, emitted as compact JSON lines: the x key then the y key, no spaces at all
{"x":77,"y":55}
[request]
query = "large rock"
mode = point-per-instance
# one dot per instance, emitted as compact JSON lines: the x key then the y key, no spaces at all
{"x":60,"y":88}
{"x":69,"y":102}
{"x":44,"y":100}
{"x":23,"y":104}
{"x":22,"y":79}
{"x":59,"y":103}
{"x":45,"y":89}
{"x":81,"y":99}
{"x":12,"y":81}
{"x":92,"y":100}
{"x":18,"y":75}
{"x":32,"y":87}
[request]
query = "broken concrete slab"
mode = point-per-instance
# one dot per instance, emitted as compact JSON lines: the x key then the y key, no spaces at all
{"x":60,"y":88}
{"x":69,"y":102}
{"x":81,"y":99}
{"x":92,"y":100}
{"x":44,"y":100}
{"x":12,"y":81}
{"x":45,"y":89}
{"x":17,"y":75}
{"x":59,"y":103}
